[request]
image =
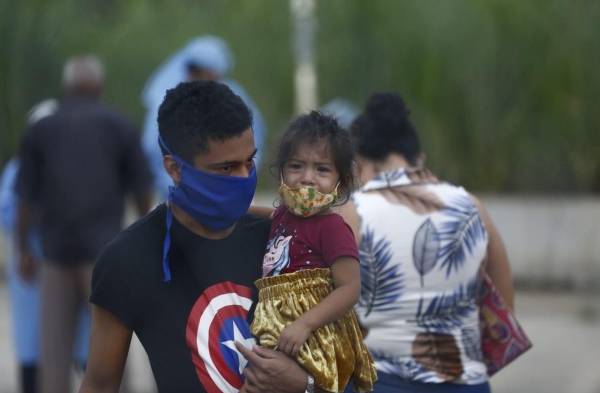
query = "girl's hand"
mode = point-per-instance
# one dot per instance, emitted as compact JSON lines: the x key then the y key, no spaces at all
{"x":293,"y":337}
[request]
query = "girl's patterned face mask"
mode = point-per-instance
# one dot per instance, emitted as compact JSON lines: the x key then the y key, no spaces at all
{"x":306,"y":201}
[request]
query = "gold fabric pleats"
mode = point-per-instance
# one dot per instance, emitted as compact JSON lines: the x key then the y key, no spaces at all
{"x":333,"y":354}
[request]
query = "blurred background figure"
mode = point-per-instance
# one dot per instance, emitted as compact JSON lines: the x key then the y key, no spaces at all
{"x":203,"y":58}
{"x":24,"y":295}
{"x":422,"y":245}
{"x":343,"y":110}
{"x":76,"y":166}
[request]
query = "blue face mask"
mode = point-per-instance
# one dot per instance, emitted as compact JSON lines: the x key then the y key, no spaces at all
{"x":215,"y":201}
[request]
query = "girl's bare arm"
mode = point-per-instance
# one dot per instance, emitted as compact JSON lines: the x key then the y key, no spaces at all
{"x":346,"y":279}
{"x":346,"y":282}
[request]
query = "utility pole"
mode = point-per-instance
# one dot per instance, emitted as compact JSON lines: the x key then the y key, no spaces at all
{"x":305,"y":75}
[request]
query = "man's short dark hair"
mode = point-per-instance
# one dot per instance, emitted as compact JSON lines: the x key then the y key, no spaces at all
{"x":195,"y":112}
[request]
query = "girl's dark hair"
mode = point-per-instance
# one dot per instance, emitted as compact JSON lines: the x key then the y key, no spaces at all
{"x":384,"y":128}
{"x":313,"y":128}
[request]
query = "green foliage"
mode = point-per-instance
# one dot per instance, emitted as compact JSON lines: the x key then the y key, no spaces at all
{"x":502,"y":91}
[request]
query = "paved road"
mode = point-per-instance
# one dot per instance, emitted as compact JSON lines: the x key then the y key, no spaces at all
{"x":565,"y":329}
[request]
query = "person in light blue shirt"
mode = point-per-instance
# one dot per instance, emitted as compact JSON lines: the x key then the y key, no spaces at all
{"x":25,"y":295}
{"x":343,"y":110}
{"x":203,"y":58}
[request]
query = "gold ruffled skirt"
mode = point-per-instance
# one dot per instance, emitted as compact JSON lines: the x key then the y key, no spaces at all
{"x":334,"y":353}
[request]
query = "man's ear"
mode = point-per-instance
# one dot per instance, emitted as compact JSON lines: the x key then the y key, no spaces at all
{"x":172,"y":167}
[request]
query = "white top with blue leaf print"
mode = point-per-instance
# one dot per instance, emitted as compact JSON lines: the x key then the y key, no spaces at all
{"x":422,"y":246}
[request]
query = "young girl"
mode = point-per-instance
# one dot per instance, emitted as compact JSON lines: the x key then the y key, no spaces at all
{"x":311,"y":274}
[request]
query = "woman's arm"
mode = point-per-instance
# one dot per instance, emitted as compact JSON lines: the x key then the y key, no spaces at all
{"x":109,"y":346}
{"x":498,"y":265}
{"x":346,"y":281}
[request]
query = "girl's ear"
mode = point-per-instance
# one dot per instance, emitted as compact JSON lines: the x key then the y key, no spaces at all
{"x":339,"y":189}
{"x":172,"y":167}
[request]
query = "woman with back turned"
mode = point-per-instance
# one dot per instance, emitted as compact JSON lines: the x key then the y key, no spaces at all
{"x":423,"y":245}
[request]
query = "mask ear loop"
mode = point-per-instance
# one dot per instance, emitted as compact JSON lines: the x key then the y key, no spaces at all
{"x":167,"y":246}
{"x":281,"y":181}
{"x":336,"y":191}
{"x":162,"y":144}
{"x":169,"y":223}
{"x":175,"y":157}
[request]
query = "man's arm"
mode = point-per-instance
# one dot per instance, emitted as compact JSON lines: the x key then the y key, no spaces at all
{"x":109,"y":345}
{"x":27,"y":191}
{"x":261,"y":211}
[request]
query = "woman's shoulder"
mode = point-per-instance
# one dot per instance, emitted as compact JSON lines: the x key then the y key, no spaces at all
{"x":451,"y":193}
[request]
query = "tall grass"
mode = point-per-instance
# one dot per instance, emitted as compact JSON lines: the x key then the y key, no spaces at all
{"x":503,"y":92}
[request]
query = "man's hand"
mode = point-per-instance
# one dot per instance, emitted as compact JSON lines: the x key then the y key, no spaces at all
{"x":271,"y":371}
{"x":27,"y":266}
{"x":293,"y":337}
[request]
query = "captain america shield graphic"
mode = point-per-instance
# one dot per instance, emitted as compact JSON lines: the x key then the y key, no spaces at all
{"x":218,"y":319}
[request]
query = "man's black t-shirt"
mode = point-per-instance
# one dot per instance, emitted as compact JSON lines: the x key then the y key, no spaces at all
{"x":188,"y":325}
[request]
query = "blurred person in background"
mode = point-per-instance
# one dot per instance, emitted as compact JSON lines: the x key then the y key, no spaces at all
{"x":76,"y":166}
{"x":423,"y":243}
{"x":343,"y":110}
{"x":24,"y":295}
{"x":206,"y":58}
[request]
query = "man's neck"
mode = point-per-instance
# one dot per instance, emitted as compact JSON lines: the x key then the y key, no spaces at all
{"x":190,"y":223}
